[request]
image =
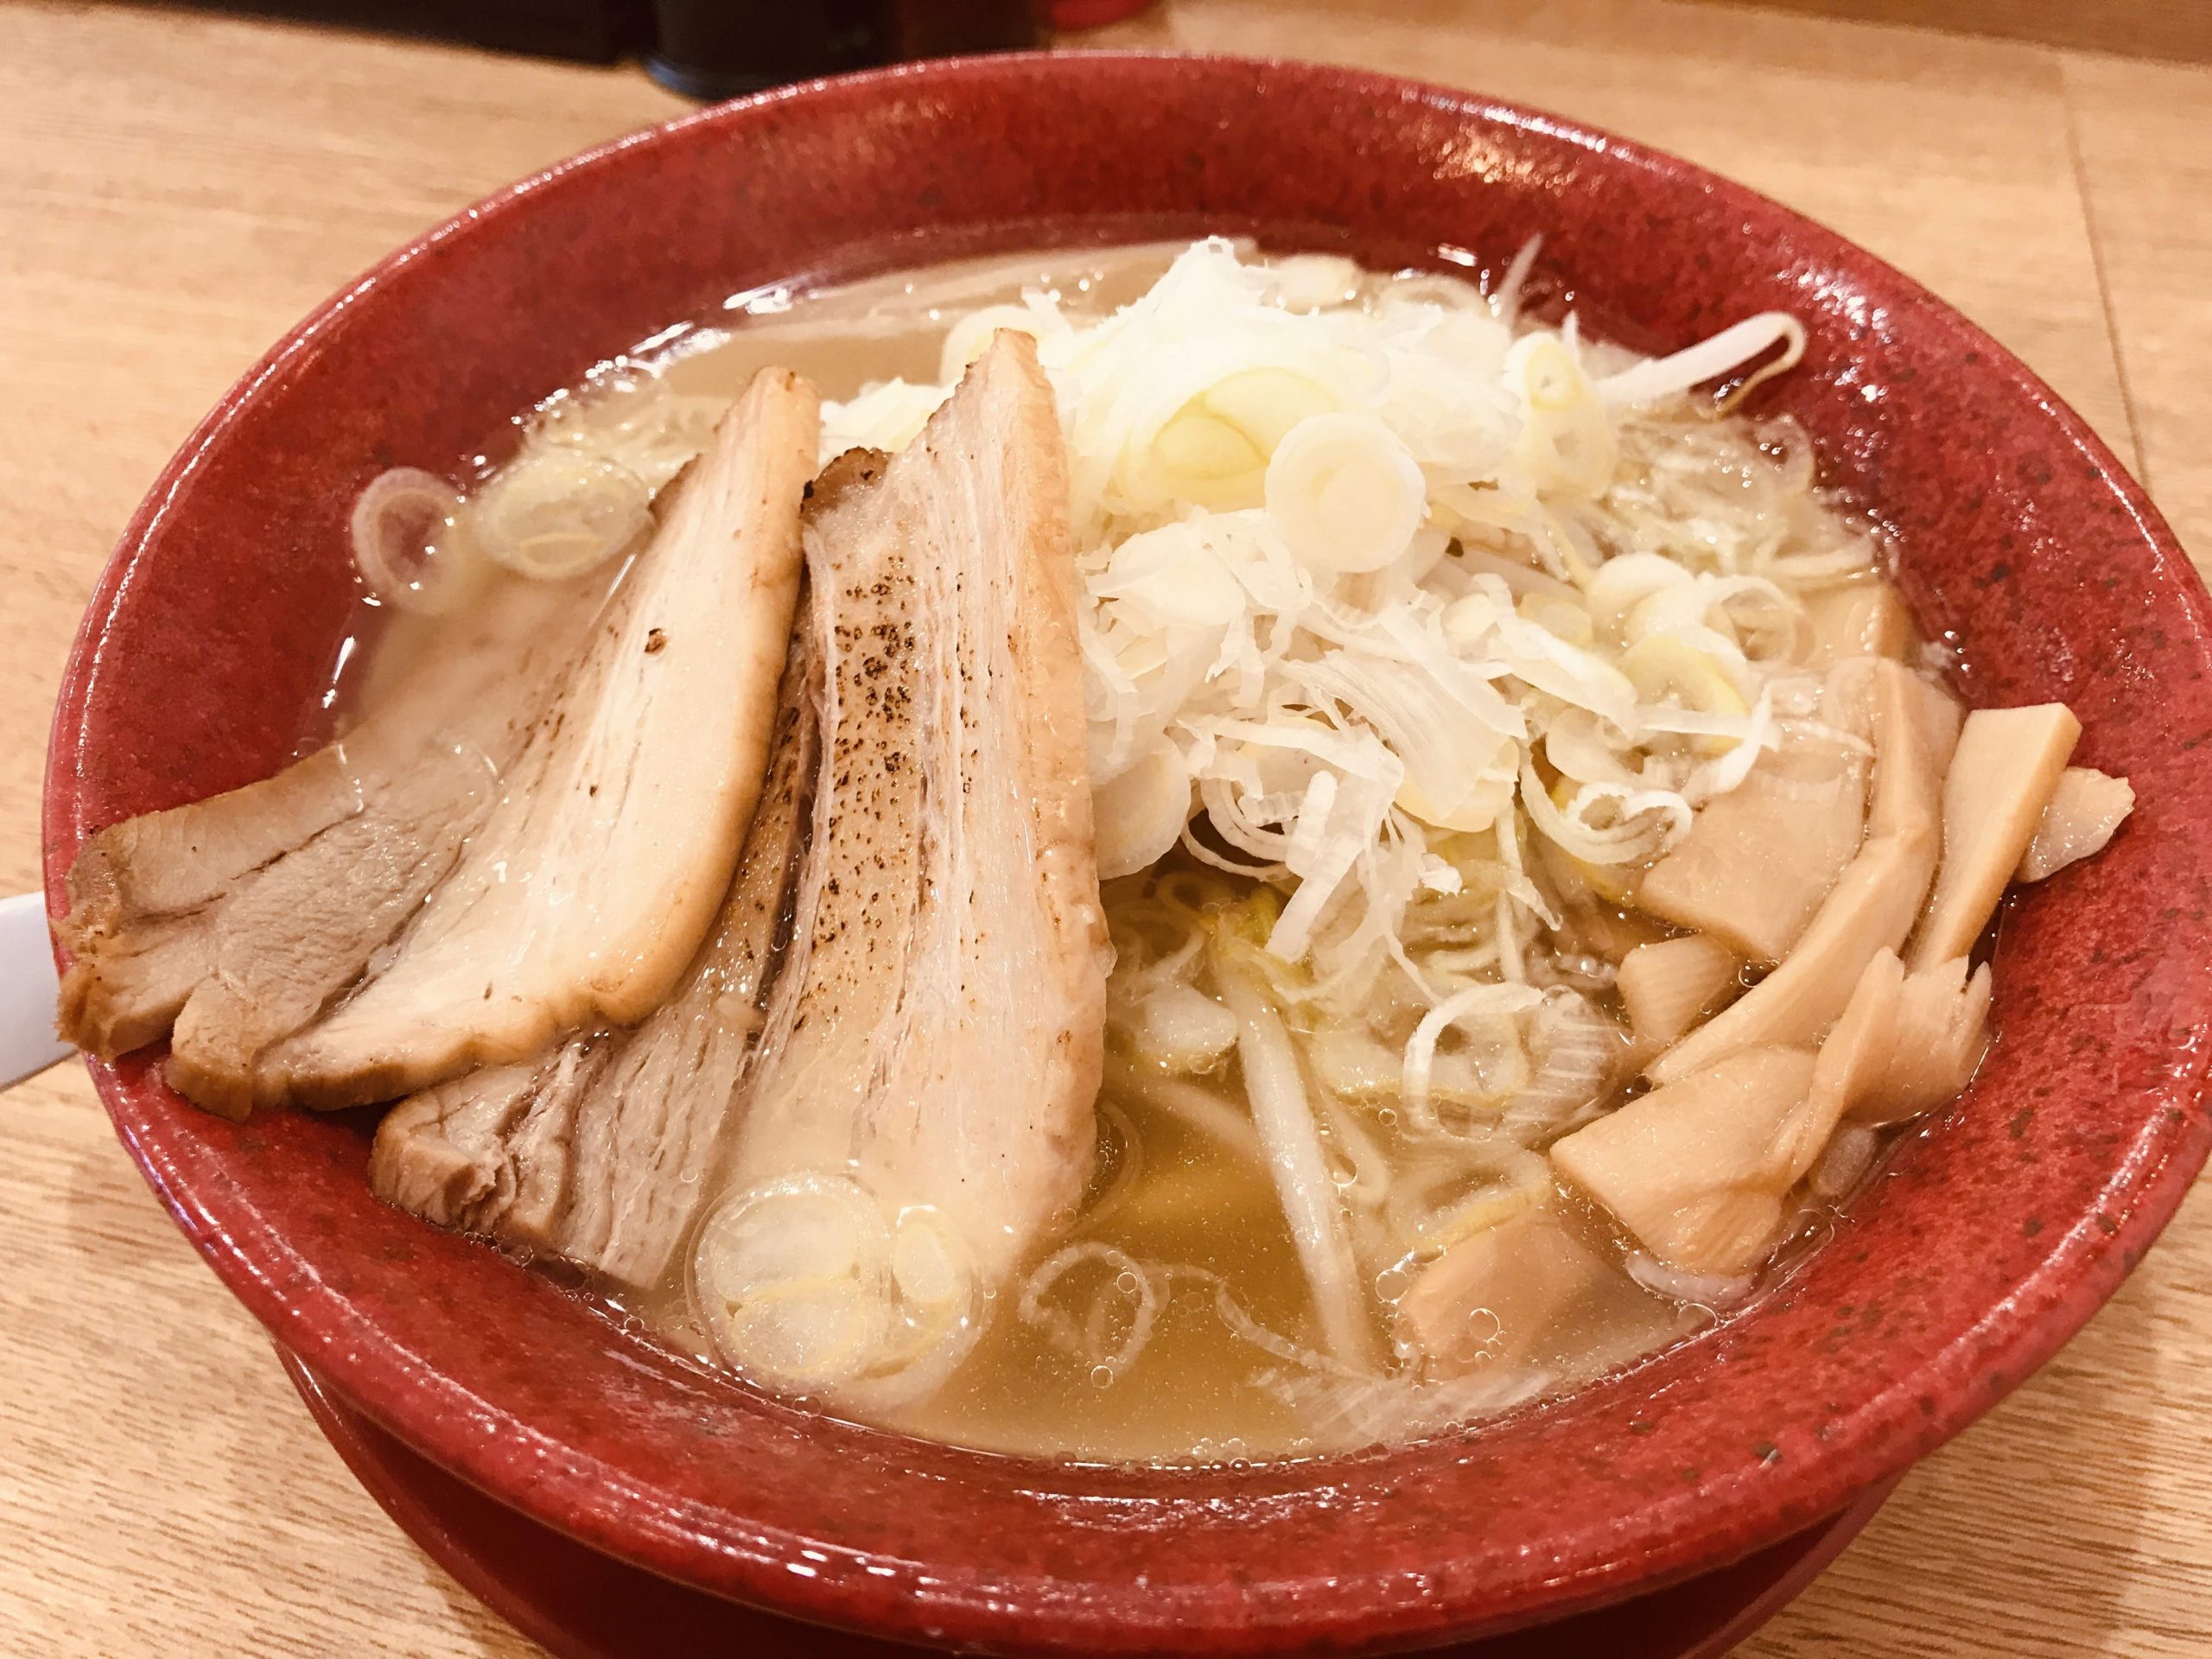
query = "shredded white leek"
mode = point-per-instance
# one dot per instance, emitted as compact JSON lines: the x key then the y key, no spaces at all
{"x":1709,"y":359}
{"x":1368,"y":552}
{"x":1492,"y":1004}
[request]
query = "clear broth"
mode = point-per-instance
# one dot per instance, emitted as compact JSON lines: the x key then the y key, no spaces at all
{"x":1204,"y":1222}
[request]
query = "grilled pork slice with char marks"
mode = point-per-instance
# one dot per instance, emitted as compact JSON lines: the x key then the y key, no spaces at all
{"x":920,"y":1111}
{"x":237,"y":917}
{"x":596,"y":877}
{"x":600,"y":1150}
{"x":535,"y":834}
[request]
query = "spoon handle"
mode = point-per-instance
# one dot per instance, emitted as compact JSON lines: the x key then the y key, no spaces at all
{"x":27,"y":989}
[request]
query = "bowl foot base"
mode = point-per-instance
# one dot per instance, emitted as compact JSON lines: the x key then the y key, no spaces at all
{"x":577,"y":1603}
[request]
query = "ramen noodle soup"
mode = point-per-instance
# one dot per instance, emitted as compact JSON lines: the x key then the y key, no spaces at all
{"x":1149,"y":853}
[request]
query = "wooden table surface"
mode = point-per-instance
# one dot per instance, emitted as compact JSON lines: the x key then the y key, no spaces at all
{"x":176,"y":189}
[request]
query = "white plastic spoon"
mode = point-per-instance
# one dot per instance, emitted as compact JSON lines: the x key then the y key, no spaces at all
{"x":27,"y":989}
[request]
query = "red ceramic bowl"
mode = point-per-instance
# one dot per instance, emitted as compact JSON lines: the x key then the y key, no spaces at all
{"x":1986,"y":1241}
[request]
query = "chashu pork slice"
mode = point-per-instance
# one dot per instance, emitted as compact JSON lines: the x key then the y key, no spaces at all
{"x":282,"y":890}
{"x":242,"y":919}
{"x":601,"y":1149}
{"x":919,"y":1114}
{"x":600,"y":868}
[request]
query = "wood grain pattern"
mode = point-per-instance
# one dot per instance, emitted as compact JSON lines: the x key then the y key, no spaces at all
{"x":176,"y":189}
{"x":2146,"y":29}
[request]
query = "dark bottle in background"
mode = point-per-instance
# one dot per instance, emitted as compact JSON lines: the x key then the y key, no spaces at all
{"x":719,"y":48}
{"x":945,"y":29}
{"x":715,"y":49}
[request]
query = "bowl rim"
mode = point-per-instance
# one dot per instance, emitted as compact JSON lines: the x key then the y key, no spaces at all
{"x":584,"y":1496}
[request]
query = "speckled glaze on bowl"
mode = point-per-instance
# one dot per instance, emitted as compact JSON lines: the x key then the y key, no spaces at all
{"x":579,"y":1604}
{"x":1985,"y":1242}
